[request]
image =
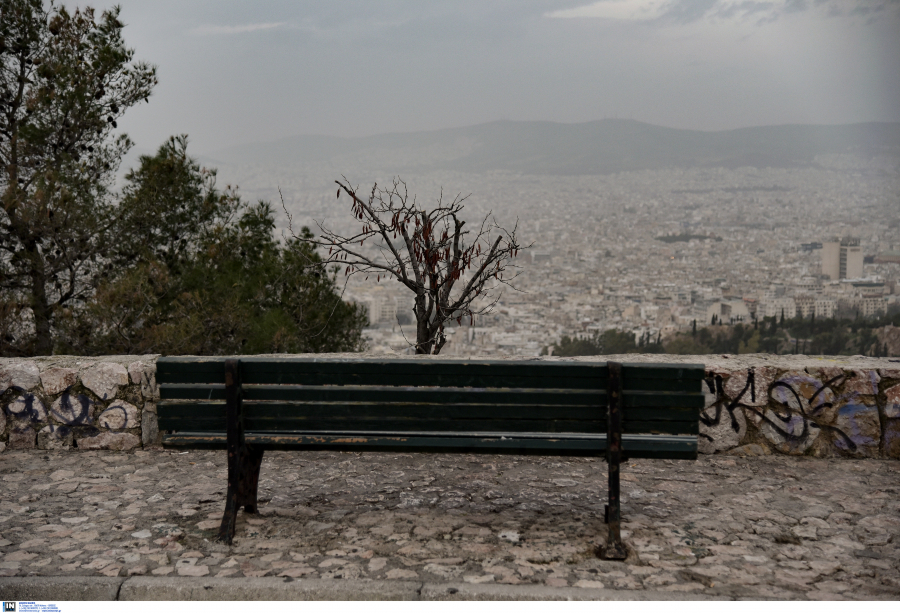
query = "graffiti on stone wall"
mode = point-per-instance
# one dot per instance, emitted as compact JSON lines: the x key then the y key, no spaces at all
{"x":790,"y":414}
{"x":68,"y":409}
{"x":73,"y":410}
{"x":70,"y":415}
{"x":27,"y":408}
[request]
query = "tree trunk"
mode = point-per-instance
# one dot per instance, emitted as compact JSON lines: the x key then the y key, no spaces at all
{"x":423,"y":344}
{"x":40,"y":308}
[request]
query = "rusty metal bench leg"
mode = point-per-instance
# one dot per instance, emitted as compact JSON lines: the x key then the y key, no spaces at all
{"x":614,"y":549}
{"x":248,"y":484}
{"x":235,"y":448}
{"x":226,"y":530}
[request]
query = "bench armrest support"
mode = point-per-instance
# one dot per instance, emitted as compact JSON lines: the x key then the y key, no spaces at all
{"x":615,"y":549}
{"x":243,"y":461}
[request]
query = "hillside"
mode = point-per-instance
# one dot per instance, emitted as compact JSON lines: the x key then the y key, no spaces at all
{"x":597,"y":147}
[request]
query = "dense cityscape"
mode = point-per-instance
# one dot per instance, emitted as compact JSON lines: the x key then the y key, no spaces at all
{"x":647,"y":252}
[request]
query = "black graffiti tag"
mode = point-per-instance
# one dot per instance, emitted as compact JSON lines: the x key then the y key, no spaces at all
{"x":809,"y":417}
{"x":73,"y":411}
{"x":28,"y":411}
{"x":783,"y":411}
{"x":715,"y":388}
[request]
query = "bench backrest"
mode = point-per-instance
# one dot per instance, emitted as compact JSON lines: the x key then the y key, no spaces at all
{"x":286,"y":396}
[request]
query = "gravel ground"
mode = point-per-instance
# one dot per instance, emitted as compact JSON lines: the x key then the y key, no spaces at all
{"x":757,"y":527}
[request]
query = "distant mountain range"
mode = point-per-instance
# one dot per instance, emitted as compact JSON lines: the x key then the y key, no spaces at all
{"x":596,"y":147}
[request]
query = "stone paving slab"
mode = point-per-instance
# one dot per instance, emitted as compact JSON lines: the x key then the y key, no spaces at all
{"x":772,"y":527}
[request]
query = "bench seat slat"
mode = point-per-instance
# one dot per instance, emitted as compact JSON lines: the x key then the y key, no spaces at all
{"x":371,"y":410}
{"x":439,"y":396}
{"x":435,"y":379}
{"x":635,"y":446}
{"x":216,"y":391}
{"x":170,"y":410}
{"x":387,"y":394}
{"x":662,"y":399}
{"x":663,"y":385}
{"x":413,"y":425}
{"x":409,"y":417}
{"x":318,"y":371}
{"x":198,"y":424}
{"x":660,"y":427}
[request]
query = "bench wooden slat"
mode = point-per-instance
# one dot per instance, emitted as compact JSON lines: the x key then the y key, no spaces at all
{"x":435,"y":379}
{"x":447,"y":413}
{"x":172,"y":410}
{"x":216,"y":391}
{"x":664,"y":385}
{"x":432,"y":395}
{"x":635,"y":446}
{"x":662,"y":399}
{"x":183,"y":385}
{"x":320,"y":371}
{"x":256,"y":425}
{"x":424,"y":395}
{"x":360,"y":410}
{"x":269,"y":370}
{"x":660,"y":427}
{"x":168,"y":365}
{"x":386,"y":394}
{"x":409,"y":416}
{"x":515,"y":443}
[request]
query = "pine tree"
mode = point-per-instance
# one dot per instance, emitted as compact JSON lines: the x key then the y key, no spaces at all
{"x":64,"y":80}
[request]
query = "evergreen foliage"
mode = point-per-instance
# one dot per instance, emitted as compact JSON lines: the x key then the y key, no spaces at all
{"x":795,"y":336}
{"x":172,"y":265}
{"x":208,"y":276}
{"x":65,"y":78}
{"x":798,"y":335}
{"x":610,"y":342}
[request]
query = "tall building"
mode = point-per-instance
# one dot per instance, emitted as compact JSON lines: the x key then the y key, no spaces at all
{"x":842,"y":258}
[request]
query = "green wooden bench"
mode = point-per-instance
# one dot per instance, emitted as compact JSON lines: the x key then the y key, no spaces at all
{"x":249,"y":405}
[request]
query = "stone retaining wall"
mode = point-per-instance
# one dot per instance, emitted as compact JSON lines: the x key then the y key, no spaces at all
{"x":65,"y":402}
{"x":756,"y":404}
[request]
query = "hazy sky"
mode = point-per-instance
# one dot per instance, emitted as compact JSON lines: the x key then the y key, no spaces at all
{"x":240,"y":71}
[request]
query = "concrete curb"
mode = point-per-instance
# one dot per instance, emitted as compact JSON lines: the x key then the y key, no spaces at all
{"x":60,"y":588}
{"x":494,"y":591}
{"x":272,"y":588}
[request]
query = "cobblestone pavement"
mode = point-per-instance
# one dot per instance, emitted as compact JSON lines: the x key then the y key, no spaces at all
{"x":756,"y":527}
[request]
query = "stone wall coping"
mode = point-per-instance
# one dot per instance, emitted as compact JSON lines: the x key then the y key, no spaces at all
{"x":756,"y":404}
{"x":737,"y":361}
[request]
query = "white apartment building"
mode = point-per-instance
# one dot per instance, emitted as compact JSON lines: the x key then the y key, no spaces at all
{"x":774,"y":307}
{"x":806,"y":305}
{"x":870,"y":306}
{"x":825,"y":308}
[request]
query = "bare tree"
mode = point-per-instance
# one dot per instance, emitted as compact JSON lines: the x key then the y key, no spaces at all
{"x":454,"y":273}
